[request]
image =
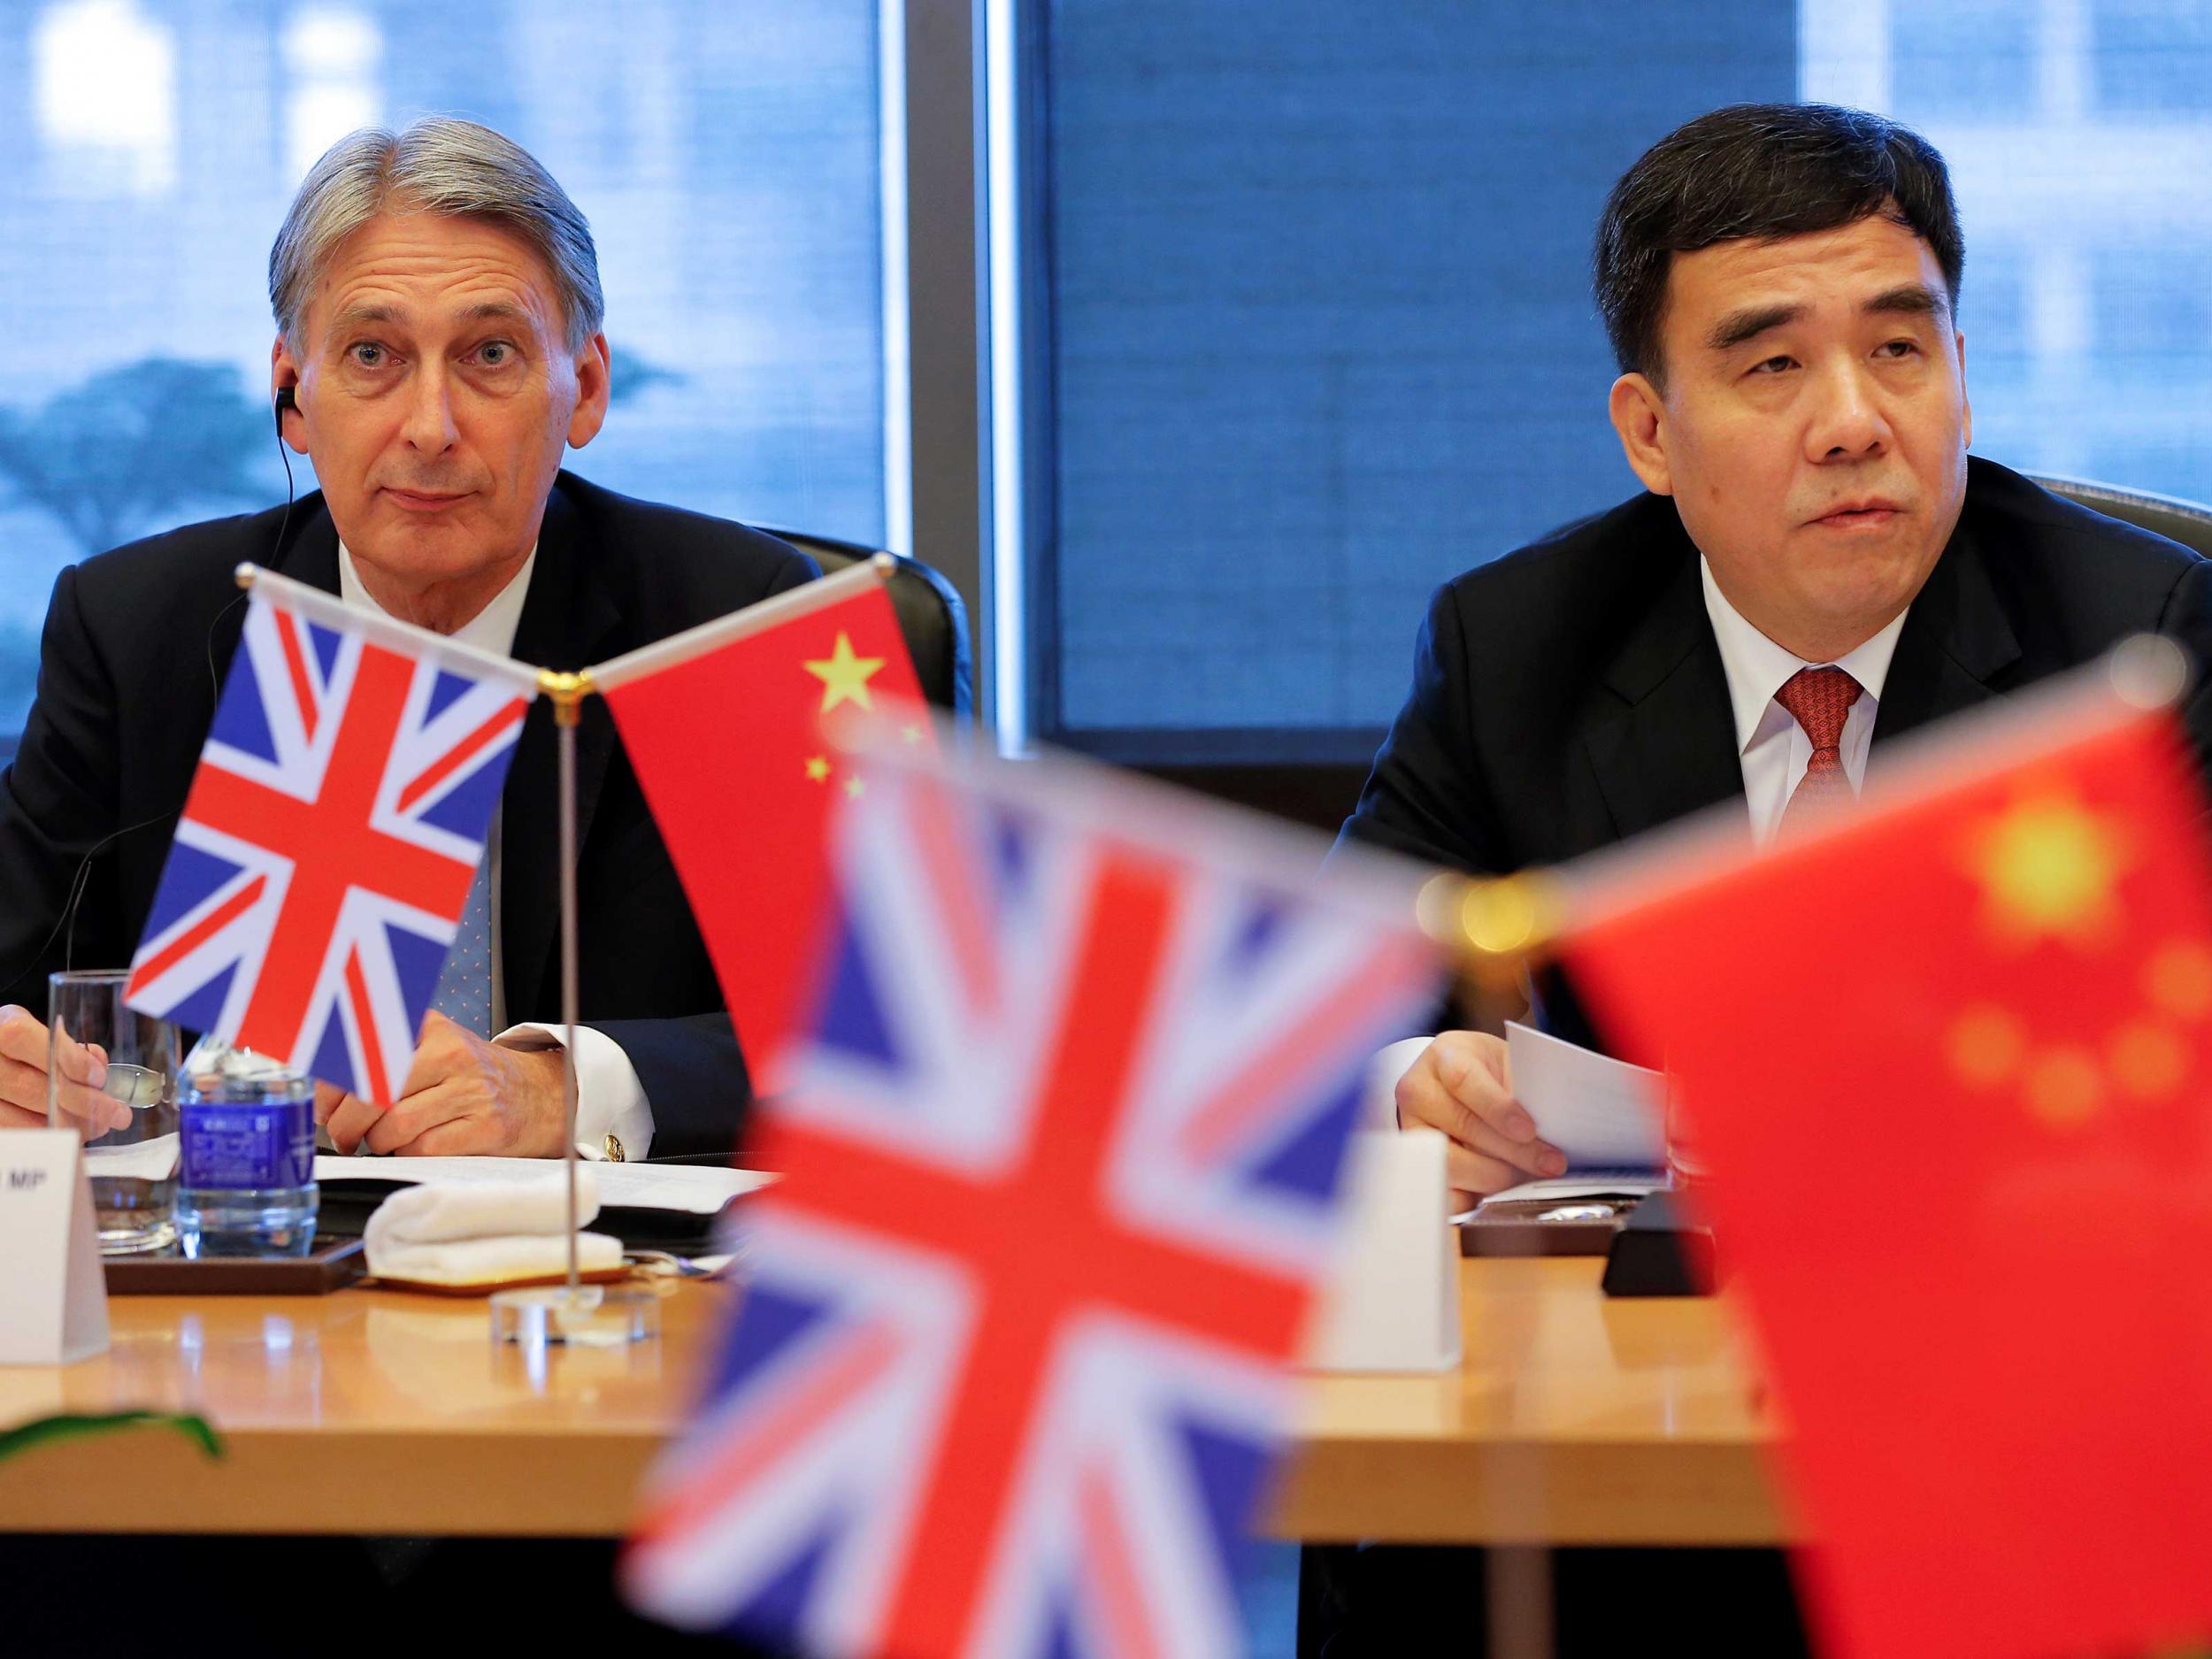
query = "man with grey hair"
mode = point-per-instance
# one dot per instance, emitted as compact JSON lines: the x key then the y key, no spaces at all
{"x":439,"y":348}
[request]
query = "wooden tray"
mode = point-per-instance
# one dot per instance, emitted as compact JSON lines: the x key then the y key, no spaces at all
{"x":331,"y":1265}
{"x":487,"y":1286}
{"x":1512,"y":1230}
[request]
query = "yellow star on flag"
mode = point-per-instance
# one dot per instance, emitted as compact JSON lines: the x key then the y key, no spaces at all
{"x":844,"y":675}
{"x":854,"y":787}
{"x":2047,"y":865}
{"x":818,"y":767}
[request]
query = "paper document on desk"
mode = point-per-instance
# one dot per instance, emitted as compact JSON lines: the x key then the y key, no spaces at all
{"x":1603,"y":1187}
{"x":1603,"y":1114}
{"x":699,"y":1188}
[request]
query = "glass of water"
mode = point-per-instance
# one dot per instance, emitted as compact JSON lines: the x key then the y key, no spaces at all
{"x":133,"y":1169}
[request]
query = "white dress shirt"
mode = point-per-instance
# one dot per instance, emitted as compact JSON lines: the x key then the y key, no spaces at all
{"x":609,"y":1099}
{"x":1772,"y":748}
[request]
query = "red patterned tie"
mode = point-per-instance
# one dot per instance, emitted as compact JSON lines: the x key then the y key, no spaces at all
{"x":1820,"y":700}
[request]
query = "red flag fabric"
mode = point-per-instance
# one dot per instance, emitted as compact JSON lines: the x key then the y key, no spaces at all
{"x":1951,"y":1065}
{"x":734,"y":747}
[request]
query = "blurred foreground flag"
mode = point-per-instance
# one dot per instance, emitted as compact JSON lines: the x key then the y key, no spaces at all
{"x":1062,"y":1155}
{"x":1951,"y":1063}
{"x":330,"y":838}
{"x":729,"y":727}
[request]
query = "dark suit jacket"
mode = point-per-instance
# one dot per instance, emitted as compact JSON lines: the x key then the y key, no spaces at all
{"x":1571,"y":694}
{"x":135,"y":646}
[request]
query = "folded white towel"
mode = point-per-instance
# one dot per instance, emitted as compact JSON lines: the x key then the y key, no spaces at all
{"x":453,"y":1233}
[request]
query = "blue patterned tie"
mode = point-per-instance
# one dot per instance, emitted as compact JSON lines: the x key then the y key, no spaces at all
{"x":465,"y":989}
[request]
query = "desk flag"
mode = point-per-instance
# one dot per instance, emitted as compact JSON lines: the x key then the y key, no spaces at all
{"x":732,"y":727}
{"x":1950,"y":1061}
{"x":1061,"y":1149}
{"x":332,"y":831}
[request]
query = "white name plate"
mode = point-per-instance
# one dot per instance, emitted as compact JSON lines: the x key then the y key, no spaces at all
{"x":55,"y":1310}
{"x":1394,"y":1304}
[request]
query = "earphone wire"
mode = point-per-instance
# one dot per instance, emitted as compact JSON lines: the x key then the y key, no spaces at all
{"x":78,"y":882}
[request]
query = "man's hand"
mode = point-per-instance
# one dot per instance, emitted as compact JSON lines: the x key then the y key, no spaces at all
{"x":84,"y":1067}
{"x":464,"y":1095}
{"x":1463,"y":1086}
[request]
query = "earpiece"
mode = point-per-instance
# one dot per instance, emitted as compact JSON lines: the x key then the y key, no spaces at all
{"x":287,"y":399}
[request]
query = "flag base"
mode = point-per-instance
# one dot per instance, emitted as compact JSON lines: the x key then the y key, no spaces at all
{"x":586,"y":1316}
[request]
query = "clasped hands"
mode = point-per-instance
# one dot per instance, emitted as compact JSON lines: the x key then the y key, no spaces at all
{"x":464,"y":1095}
{"x":1463,"y":1084}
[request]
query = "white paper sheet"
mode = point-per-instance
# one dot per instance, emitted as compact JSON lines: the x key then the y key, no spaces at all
{"x":700,"y":1188}
{"x":1571,"y":1189}
{"x":1602,"y":1114}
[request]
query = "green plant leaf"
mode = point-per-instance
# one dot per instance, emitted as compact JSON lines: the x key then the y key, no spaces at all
{"x":38,"y":1430}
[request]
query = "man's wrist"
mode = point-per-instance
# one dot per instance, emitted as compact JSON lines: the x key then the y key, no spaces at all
{"x":612,"y":1110}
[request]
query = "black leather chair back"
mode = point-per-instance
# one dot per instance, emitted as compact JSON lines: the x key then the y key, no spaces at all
{"x":930,"y":614}
{"x":2178,"y":520}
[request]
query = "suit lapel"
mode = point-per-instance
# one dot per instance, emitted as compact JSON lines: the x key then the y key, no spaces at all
{"x":566,"y":617}
{"x":308,"y":550}
{"x":1667,"y":748}
{"x":1954,"y":648}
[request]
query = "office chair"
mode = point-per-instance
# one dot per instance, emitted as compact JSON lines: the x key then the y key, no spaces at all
{"x":929,"y":613}
{"x":2184,"y":521}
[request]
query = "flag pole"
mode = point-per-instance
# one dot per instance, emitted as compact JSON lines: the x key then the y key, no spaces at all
{"x":600,"y":1315}
{"x":567,"y":693}
{"x":331,"y":611}
{"x":771,"y":613}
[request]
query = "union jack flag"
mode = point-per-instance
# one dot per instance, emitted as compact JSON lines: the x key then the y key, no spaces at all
{"x":1060,"y":1162}
{"x":328,"y":845}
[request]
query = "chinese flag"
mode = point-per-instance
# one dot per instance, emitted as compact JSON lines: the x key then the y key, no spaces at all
{"x":1951,"y":1063}
{"x":732,"y":728}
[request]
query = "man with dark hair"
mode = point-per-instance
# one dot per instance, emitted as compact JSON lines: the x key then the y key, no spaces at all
{"x":1815,"y":568}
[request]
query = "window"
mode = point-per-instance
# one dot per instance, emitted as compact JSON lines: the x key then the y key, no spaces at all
{"x":1312,"y":316}
{"x":2085,"y":186}
{"x":726,"y":155}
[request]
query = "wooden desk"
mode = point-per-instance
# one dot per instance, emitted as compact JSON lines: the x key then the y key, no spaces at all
{"x":366,"y":1412}
{"x":1574,"y":1420}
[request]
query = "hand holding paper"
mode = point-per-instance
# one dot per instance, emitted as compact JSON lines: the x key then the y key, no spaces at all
{"x":1601,"y":1113}
{"x":1462,"y":1084}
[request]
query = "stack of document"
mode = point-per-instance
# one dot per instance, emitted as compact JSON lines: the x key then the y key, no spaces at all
{"x":1609,"y":1118}
{"x":699,"y":1189}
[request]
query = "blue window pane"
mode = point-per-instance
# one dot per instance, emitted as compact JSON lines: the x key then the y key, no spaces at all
{"x":2150,"y":57}
{"x":726,"y":155}
{"x":1964,"y":57}
{"x":2151,"y":307}
{"x":1319,"y":330}
{"x":2088,"y":221}
{"x":1321,"y":333}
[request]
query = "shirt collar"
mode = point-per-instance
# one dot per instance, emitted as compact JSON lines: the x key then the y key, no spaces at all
{"x":491,"y":629}
{"x":1757,"y":667}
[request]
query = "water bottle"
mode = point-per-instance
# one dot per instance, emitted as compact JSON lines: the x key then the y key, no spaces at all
{"x":246,"y":1171}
